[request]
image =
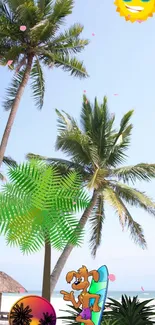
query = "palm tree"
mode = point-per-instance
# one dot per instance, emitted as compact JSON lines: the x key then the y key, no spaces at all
{"x":36,"y":209}
{"x":21,"y":315}
{"x":39,"y":45}
{"x":98,"y":150}
{"x":48,"y":319}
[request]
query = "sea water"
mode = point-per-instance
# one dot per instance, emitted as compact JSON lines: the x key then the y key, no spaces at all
{"x":111,"y":294}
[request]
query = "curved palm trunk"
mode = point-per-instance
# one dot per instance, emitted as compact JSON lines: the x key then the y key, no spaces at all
{"x":14,"y":108}
{"x":68,"y":249}
{"x":46,"y":273}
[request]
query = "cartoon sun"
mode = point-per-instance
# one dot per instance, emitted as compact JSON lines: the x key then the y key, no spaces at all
{"x":135,"y":10}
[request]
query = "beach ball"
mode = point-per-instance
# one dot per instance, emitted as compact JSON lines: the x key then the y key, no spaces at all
{"x":32,"y":310}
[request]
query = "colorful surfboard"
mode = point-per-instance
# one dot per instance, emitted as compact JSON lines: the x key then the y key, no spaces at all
{"x":100,"y":288}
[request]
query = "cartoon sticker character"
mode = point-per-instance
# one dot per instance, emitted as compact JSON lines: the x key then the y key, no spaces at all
{"x":135,"y":10}
{"x":82,"y":283}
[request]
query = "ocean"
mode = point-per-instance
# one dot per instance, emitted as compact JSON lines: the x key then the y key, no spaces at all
{"x":60,"y":305}
{"x":111,"y":294}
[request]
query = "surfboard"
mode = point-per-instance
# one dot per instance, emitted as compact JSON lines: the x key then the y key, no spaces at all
{"x":100,"y":288}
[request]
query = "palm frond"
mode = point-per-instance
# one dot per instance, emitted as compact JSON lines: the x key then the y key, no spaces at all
{"x":58,"y":229}
{"x":41,"y":33}
{"x":53,"y":18}
{"x":38,"y":84}
{"x":134,"y":197}
{"x":67,"y":63}
{"x":96,"y":221}
{"x":119,"y":144}
{"x":60,"y":10}
{"x":65,"y":121}
{"x":63,"y":165}
{"x":70,"y":319}
{"x":66,"y":230}
{"x":32,"y":156}
{"x":52,"y":161}
{"x":12,"y":90}
{"x":113,"y":200}
{"x":124,"y":124}
{"x":2,"y":177}
{"x":74,"y":143}
{"x":29,"y":238}
{"x":125,"y":217}
{"x":45,"y":6}
{"x":135,"y":228}
{"x":25,"y":178}
{"x":70,"y":189}
{"x":4,"y":10}
{"x":68,"y":42}
{"x":73,"y":32}
{"x":39,"y":205}
{"x":97,"y":122}
{"x":28,"y":13}
{"x":101,"y":119}
{"x":86,"y":115}
{"x":139,"y":172}
{"x":14,"y":4}
{"x":12,"y":205}
{"x":9,"y":161}
{"x":79,"y":147}
{"x":13,"y":53}
{"x":72,"y":65}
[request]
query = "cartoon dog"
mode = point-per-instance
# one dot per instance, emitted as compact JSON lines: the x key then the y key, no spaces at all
{"x":82,"y":283}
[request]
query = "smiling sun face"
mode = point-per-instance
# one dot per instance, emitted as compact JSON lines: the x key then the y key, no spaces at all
{"x":135,"y":10}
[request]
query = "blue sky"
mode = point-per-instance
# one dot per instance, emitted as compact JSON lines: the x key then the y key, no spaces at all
{"x":119,"y":59}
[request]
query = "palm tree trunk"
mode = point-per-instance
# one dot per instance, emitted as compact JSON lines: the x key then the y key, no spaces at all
{"x":68,"y":249}
{"x":14,"y":108}
{"x":47,"y":271}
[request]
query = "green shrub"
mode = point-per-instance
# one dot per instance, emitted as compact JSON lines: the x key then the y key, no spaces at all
{"x":70,"y":319}
{"x":130,"y":311}
{"x":109,"y":321}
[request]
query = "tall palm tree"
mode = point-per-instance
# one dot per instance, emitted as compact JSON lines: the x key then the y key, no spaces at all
{"x":40,"y":45}
{"x":36,"y":209}
{"x":98,"y":150}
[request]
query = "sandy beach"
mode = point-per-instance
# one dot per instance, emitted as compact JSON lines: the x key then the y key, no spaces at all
{"x":58,"y":303}
{"x":8,"y":301}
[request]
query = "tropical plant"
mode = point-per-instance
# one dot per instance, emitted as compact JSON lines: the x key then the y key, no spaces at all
{"x":9,"y":162}
{"x":36,"y":209}
{"x":48,"y":319}
{"x":21,"y":315}
{"x":131,"y":311}
{"x":109,"y":321}
{"x":97,"y":151}
{"x":128,"y":312}
{"x":72,"y":312}
{"x":39,"y":45}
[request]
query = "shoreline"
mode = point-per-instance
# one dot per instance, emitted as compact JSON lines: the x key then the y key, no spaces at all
{"x":57,"y":302}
